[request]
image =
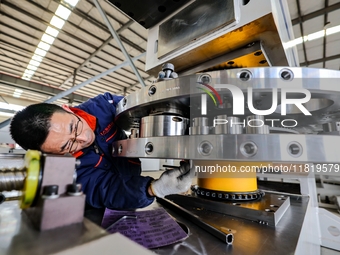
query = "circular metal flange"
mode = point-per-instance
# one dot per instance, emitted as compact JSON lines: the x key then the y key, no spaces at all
{"x":288,"y":148}
{"x":184,"y":94}
{"x":229,"y":196}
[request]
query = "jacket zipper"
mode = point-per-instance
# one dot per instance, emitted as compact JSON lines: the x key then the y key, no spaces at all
{"x":96,"y":149}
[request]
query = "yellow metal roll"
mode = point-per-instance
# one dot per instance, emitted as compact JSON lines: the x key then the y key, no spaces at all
{"x":227,"y":176}
{"x":32,"y":164}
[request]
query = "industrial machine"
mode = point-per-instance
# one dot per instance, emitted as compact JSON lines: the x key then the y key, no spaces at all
{"x":230,"y":97}
{"x":48,"y":189}
{"x":258,"y":129}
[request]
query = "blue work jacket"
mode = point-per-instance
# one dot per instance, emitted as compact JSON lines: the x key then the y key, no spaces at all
{"x":108,"y":181}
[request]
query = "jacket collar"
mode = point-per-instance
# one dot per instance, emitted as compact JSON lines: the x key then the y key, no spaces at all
{"x":90,"y":120}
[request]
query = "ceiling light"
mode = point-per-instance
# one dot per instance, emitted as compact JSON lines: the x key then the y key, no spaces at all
{"x":37,"y":58}
{"x":71,"y":2}
{"x":57,"y":22}
{"x":17,"y":92}
{"x":313,"y":36}
{"x":26,"y":77}
{"x":44,"y":46}
{"x":29,"y":72}
{"x":47,"y":38}
{"x":62,"y":12}
{"x":316,"y":35}
{"x":40,"y":52}
{"x":34,"y":63}
{"x":33,"y":68}
{"x":52,"y":31}
{"x":14,"y":107}
{"x":333,"y":30}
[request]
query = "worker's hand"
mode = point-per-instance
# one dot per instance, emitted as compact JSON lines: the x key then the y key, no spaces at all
{"x":173,"y":181}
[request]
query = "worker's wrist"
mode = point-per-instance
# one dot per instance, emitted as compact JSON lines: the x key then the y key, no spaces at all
{"x":150,"y":190}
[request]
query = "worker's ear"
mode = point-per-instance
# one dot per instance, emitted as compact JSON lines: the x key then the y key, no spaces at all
{"x":66,"y":108}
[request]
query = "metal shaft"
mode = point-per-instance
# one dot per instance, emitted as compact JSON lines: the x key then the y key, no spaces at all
{"x":12,"y":179}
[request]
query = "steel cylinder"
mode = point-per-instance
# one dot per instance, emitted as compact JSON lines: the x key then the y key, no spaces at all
{"x":163,"y":125}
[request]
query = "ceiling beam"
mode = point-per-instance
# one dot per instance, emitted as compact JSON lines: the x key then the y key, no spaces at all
{"x":16,"y":82}
{"x":325,"y":22}
{"x":101,"y":47}
{"x":320,"y":60}
{"x":315,"y":14}
{"x":301,"y":30}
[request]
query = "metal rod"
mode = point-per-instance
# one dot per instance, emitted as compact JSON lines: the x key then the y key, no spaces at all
{"x":317,"y":13}
{"x":107,"y":41}
{"x":302,"y":33}
{"x":69,"y":91}
{"x":116,"y":36}
{"x":227,"y":238}
{"x":325,"y":23}
{"x":94,"y":78}
{"x":12,"y":179}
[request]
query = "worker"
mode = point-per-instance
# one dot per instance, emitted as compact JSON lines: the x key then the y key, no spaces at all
{"x":87,"y":132}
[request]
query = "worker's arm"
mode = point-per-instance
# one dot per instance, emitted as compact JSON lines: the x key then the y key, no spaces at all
{"x":173,"y":181}
{"x":113,"y":190}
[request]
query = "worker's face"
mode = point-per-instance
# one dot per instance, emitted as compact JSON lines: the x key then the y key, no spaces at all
{"x":68,"y":134}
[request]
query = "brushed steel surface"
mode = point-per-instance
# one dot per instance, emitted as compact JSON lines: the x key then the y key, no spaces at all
{"x":17,"y":235}
{"x":270,"y":148}
{"x":163,"y":125}
{"x":192,"y":22}
{"x":249,"y":237}
{"x":268,"y":210}
{"x":183,"y":94}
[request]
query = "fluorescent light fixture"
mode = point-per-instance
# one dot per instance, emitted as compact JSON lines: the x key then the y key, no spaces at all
{"x":333,"y":30}
{"x":17,"y":92}
{"x":40,"y":52}
{"x":313,"y":36}
{"x":44,"y":46}
{"x":71,"y":2}
{"x":16,"y":95}
{"x":26,"y":77}
{"x":57,"y":22}
{"x":62,"y":12}
{"x":29,"y":72}
{"x":13,"y":107}
{"x":52,"y":31}
{"x":34,"y":63}
{"x":37,"y":58}
{"x":33,"y":68}
{"x":6,"y":114}
{"x":316,"y":35}
{"x":47,"y":38}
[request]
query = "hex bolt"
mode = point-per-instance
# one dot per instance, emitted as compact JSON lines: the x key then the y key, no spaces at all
{"x":50,"y":192}
{"x":74,"y":189}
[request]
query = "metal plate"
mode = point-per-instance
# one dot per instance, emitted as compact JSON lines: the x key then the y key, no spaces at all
{"x":148,"y":14}
{"x":251,"y":55}
{"x":193,"y":22}
{"x":184,"y":94}
{"x":17,"y":235}
{"x":249,"y":237}
{"x":262,"y":29}
{"x":269,"y":148}
{"x":268,"y":210}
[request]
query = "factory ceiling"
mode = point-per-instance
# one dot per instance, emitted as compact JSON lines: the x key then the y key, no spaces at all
{"x":43,"y":52}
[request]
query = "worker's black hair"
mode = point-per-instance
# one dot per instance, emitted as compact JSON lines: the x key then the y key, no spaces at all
{"x":30,"y":127}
